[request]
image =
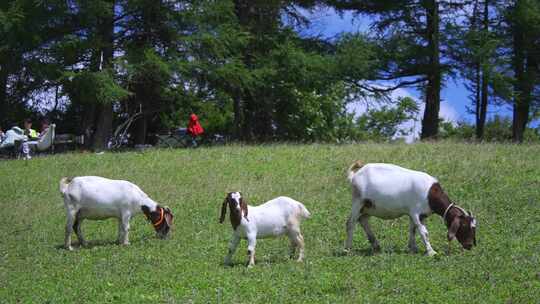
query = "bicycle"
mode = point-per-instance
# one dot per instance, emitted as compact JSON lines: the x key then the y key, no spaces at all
{"x":120,"y":136}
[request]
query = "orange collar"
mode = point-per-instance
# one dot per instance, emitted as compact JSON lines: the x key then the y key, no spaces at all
{"x":161,"y":218}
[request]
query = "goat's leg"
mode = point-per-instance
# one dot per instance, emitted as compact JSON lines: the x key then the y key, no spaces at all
{"x":353,"y":218}
{"x":233,"y":244}
{"x":370,"y":235}
{"x":412,"y":237}
{"x":300,"y":245}
{"x":120,"y":233}
{"x":69,"y":228}
{"x":77,"y":228}
{"x":296,"y":241}
{"x":123,"y":230}
{"x":423,"y":233}
{"x":252,"y":242}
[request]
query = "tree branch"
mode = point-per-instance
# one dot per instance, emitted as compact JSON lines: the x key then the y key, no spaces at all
{"x":381,"y":90}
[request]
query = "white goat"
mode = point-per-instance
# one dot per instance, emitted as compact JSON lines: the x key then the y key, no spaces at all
{"x":389,"y":191}
{"x":279,"y":216}
{"x":98,"y":198}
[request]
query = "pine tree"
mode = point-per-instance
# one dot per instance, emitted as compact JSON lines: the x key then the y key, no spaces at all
{"x":523,"y":17}
{"x":411,"y":38}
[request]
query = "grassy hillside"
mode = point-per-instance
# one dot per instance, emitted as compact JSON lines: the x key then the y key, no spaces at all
{"x":500,"y":183}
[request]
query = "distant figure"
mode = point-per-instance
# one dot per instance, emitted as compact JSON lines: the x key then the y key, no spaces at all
{"x":44,"y":126}
{"x":28,"y":131}
{"x":194,"y":128}
{"x":33,"y":139}
{"x":11,"y":136}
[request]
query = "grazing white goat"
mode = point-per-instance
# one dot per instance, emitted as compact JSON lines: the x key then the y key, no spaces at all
{"x":389,"y":191}
{"x":98,"y":198}
{"x":279,"y":216}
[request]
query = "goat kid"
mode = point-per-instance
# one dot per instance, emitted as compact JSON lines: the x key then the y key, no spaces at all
{"x":279,"y":216}
{"x":389,"y":191}
{"x":98,"y":198}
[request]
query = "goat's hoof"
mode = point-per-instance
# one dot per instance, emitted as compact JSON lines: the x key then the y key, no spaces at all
{"x":431,"y":253}
{"x":68,"y":248}
{"x":299,"y":260}
{"x":377,"y":249}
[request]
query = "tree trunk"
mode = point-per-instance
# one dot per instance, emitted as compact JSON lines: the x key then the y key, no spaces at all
{"x":483,"y":107}
{"x":261,"y":19}
{"x":88,"y":128}
{"x":430,"y":122}
{"x":140,"y":129}
{"x":104,"y":111}
{"x":526,"y":78}
{"x":103,"y":126}
{"x":522,"y":94}
{"x":481,"y":122}
{"x":519,"y":121}
{"x":146,"y":97}
{"x":518,"y":109}
{"x":244,"y":11}
{"x":140,"y":126}
{"x":477,"y":97}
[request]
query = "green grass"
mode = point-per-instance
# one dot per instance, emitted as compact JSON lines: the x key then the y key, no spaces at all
{"x":500,"y":183}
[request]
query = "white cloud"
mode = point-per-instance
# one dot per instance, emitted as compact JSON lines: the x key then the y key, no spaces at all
{"x":447,"y":112}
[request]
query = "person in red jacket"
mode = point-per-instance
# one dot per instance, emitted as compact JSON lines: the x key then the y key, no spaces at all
{"x":194,"y":128}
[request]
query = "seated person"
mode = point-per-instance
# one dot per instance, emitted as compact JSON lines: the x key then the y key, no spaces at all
{"x":33,"y":140}
{"x":44,"y":127}
{"x":11,"y":136}
{"x":28,"y":131}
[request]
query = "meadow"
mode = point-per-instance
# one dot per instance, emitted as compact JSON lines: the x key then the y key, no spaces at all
{"x":499,"y":183}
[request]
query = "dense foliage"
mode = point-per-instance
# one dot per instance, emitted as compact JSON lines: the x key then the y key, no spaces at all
{"x":244,"y":67}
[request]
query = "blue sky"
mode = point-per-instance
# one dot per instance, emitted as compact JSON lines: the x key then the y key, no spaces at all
{"x":455,"y":97}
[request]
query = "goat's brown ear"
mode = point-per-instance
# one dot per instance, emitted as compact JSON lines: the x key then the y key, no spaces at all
{"x":169,"y":218}
{"x":244,"y":206}
{"x":452,"y":230}
{"x":223,"y":211}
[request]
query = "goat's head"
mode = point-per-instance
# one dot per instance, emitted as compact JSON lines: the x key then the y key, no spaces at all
{"x":463,"y":228}
{"x":161,"y":219}
{"x":238,"y":208}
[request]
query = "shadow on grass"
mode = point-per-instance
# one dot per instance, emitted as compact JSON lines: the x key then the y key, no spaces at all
{"x":367,"y":252}
{"x":94,"y":244}
{"x":354,"y":252}
{"x":235,"y":264}
{"x":265,"y":260}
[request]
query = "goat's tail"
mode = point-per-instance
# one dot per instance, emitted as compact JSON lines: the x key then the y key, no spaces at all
{"x":357,"y":165}
{"x":303,"y":211}
{"x":64,"y":183}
